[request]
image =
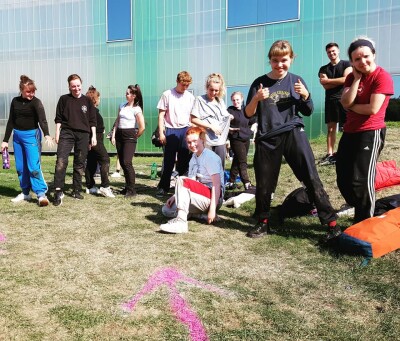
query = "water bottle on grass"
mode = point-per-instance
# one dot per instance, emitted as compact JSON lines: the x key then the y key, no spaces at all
{"x":153,"y":173}
{"x":6,"y":159}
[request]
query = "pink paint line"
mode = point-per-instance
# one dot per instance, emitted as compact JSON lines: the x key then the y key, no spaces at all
{"x":2,"y":237}
{"x":182,"y":311}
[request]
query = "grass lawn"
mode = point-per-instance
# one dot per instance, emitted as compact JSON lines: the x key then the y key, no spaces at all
{"x":66,"y":272}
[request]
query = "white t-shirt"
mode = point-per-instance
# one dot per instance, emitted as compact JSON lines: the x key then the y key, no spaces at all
{"x":202,"y":167}
{"x":178,"y":108}
{"x":127,"y":116}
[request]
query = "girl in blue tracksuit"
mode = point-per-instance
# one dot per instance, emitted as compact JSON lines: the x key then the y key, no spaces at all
{"x":26,"y":114}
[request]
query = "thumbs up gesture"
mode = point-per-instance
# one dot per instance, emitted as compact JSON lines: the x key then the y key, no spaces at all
{"x":262,"y":93}
{"x":300,"y":89}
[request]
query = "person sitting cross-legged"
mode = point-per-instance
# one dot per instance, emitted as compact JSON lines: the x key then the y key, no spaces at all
{"x":201,"y":191}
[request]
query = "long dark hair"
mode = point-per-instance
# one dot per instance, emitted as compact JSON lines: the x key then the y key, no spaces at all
{"x":135,"y":90}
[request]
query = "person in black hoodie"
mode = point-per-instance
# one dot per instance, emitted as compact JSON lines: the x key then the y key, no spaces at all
{"x":75,"y":121}
{"x":98,"y":154}
{"x":239,"y":137}
{"x":277,"y":98}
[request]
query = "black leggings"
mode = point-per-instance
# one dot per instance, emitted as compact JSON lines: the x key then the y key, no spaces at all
{"x":126,"y":147}
{"x":97,"y":154}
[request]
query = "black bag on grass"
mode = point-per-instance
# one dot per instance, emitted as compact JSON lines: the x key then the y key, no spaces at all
{"x":155,"y":138}
{"x":296,"y":204}
{"x":386,"y":204}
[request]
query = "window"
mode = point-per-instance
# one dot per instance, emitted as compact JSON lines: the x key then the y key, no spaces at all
{"x":119,"y":20}
{"x":241,"y":13}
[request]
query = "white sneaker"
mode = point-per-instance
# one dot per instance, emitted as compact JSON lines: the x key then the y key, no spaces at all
{"x":93,"y":190}
{"x":21,"y":197}
{"x":176,"y":225}
{"x":107,"y":192}
{"x":43,"y":201}
{"x":116,"y":175}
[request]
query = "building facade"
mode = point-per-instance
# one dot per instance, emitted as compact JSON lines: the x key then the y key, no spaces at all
{"x":114,"y":43}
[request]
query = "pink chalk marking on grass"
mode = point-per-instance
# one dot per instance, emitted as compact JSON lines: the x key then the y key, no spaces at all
{"x":2,"y":237}
{"x":182,"y":311}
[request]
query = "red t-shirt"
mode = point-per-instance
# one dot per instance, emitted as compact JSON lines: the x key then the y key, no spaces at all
{"x":377,"y":82}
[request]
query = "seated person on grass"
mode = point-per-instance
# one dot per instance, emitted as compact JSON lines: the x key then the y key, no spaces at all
{"x":201,"y":191}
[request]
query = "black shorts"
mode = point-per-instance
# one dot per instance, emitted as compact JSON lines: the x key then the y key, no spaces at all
{"x":334,"y":112}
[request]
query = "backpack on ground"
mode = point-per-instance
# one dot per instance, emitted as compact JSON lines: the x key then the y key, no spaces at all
{"x":386,"y":204}
{"x":296,"y":204}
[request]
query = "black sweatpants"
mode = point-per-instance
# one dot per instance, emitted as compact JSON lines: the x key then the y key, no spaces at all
{"x":294,"y":146}
{"x":356,"y":160}
{"x":97,"y":154}
{"x":239,"y":163}
{"x":79,"y":141}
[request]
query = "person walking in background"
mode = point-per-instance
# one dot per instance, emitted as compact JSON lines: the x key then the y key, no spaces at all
{"x":128,"y":128}
{"x":117,"y":173}
{"x":240,"y":134}
{"x":26,"y":114}
{"x":174,"y":108}
{"x":75,"y":121}
{"x":98,"y":154}
{"x":209,"y":112}
{"x":277,"y":98}
{"x":332,"y":77}
{"x":201,"y":191}
{"x":366,"y":95}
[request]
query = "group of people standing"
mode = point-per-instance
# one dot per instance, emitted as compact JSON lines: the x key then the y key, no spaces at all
{"x":360,"y":88}
{"x":79,"y":126}
{"x":194,"y":131}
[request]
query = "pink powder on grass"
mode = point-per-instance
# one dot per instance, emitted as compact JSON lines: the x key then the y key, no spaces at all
{"x":178,"y":305}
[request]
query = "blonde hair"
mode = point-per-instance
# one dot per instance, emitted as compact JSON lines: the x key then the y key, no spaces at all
{"x":184,"y":77}
{"x":237,"y":93}
{"x":217,"y":79}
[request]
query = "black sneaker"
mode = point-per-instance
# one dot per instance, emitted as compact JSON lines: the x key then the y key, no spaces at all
{"x":58,"y":197}
{"x":260,"y":230}
{"x":328,"y":160}
{"x":333,"y":232}
{"x":77,"y":195}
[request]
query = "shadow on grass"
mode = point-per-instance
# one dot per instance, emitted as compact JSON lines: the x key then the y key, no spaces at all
{"x":9,"y":192}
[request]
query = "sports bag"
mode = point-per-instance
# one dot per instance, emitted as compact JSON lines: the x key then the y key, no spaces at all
{"x":385,"y":204}
{"x":296,"y":204}
{"x":372,"y":237}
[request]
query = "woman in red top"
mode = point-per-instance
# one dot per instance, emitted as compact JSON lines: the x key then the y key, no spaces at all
{"x":365,"y":97}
